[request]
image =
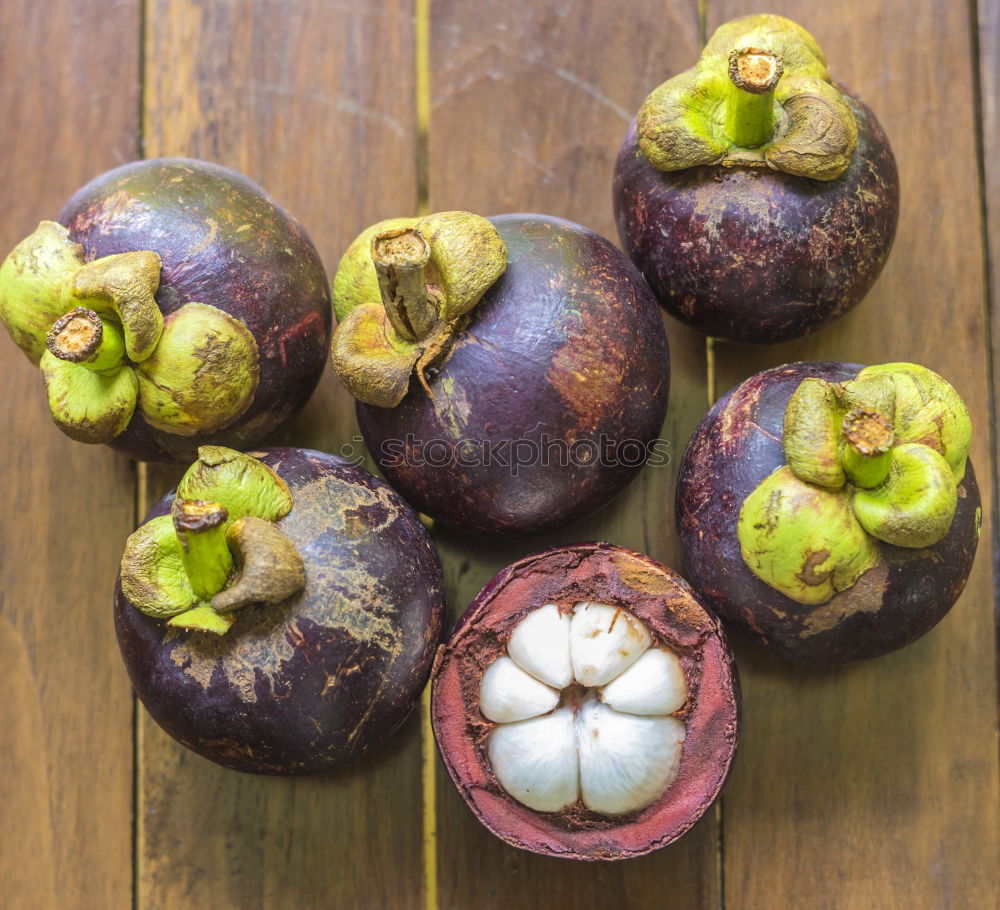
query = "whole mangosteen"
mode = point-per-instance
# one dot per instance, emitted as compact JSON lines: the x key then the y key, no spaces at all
{"x":586,"y":705}
{"x":278,"y":613}
{"x":828,"y":511}
{"x":758,"y":197}
{"x":173,"y":305}
{"x":540,"y":361}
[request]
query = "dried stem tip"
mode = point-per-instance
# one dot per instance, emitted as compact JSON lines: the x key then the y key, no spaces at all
{"x":76,"y":336}
{"x":400,"y":257}
{"x":754,"y":69}
{"x":869,"y":437}
{"x":198,"y":515}
{"x":868,"y":432}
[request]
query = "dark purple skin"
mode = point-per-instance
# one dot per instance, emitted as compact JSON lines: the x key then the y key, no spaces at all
{"x":569,"y":304}
{"x":755,"y":255}
{"x":735,"y":447}
{"x":309,"y":684}
{"x":268,"y":275}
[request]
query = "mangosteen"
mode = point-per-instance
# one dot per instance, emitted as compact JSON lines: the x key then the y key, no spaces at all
{"x":278,"y":612}
{"x":586,"y":705}
{"x":829,"y":512}
{"x":758,"y":196}
{"x":511,"y":373}
{"x":173,"y":305}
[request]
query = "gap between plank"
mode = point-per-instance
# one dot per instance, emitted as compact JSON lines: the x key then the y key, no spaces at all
{"x":141,"y":485}
{"x":720,"y":842}
{"x":141,"y":508}
{"x":428,"y":765}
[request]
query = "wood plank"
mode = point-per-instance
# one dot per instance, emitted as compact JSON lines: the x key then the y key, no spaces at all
{"x":876,"y":785}
{"x":529,"y":104}
{"x":314,"y":100}
{"x":989,"y":97}
{"x":68,"y":92}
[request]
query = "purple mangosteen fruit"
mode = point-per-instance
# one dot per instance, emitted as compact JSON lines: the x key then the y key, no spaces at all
{"x":829,"y":511}
{"x":511,"y":373}
{"x":758,"y":196}
{"x":278,"y":612}
{"x":586,"y":705}
{"x":174,"y":304}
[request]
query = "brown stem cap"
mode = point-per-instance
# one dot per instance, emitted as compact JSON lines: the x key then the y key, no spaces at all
{"x":76,"y":336}
{"x":755,"y":69}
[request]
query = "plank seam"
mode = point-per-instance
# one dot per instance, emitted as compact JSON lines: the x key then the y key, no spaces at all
{"x":710,"y":389}
{"x":428,"y":765}
{"x":141,"y":479}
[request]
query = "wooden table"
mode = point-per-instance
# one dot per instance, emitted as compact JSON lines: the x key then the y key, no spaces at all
{"x":873,"y":786}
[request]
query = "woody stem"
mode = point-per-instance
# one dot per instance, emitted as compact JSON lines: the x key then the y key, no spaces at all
{"x":400,"y":258}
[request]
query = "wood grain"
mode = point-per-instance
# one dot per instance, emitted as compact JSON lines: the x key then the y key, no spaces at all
{"x":989,"y":101}
{"x":529,"y":103}
{"x":314,"y":100}
{"x":65,"y":735}
{"x":876,"y":785}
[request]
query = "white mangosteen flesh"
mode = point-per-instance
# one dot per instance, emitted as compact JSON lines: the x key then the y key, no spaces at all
{"x":583,"y":704}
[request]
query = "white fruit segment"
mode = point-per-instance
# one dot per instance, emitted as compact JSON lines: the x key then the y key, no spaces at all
{"x":609,"y":741}
{"x":540,"y":645}
{"x":626,"y":761}
{"x":535,"y":761}
{"x":654,"y":684}
{"x":509,"y":694}
{"x":604,"y":640}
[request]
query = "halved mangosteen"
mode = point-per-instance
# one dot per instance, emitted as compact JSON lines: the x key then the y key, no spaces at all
{"x":586,"y":705}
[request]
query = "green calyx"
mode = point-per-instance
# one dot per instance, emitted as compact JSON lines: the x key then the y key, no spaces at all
{"x":402,"y":291}
{"x":760,"y":95}
{"x":219,"y":550}
{"x":878,"y":458}
{"x":802,"y":539}
{"x":105,"y":350}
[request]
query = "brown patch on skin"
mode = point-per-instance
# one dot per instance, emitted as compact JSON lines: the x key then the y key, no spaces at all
{"x":588,"y":374}
{"x":809,"y":575}
{"x":646,"y":580}
{"x":864,"y":596}
{"x":735,"y":414}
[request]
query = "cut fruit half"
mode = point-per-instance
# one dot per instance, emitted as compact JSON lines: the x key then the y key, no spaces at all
{"x":586,"y":705}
